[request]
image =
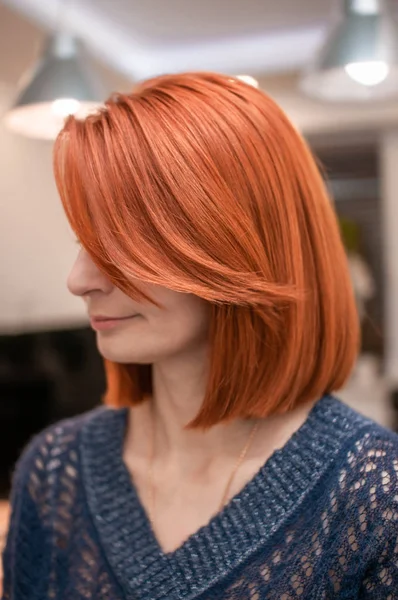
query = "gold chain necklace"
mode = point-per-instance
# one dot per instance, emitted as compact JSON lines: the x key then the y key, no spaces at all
{"x":238,"y":463}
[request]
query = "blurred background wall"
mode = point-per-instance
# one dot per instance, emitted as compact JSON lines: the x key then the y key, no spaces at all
{"x":49,"y":367}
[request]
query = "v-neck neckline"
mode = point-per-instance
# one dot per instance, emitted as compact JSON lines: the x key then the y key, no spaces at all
{"x":246,"y":522}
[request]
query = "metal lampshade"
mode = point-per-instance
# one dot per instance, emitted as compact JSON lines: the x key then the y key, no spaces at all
{"x":59,"y":85}
{"x":359,"y":60}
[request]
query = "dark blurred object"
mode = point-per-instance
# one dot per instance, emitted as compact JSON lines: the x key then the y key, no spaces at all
{"x":351,"y":167}
{"x":350,"y":234}
{"x":25,"y":408}
{"x":44,"y":377}
{"x":394,"y":400}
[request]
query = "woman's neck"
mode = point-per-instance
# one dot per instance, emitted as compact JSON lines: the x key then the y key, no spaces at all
{"x":178,"y":392}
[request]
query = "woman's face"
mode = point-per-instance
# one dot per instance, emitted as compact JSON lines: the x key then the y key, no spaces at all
{"x":133,"y":332}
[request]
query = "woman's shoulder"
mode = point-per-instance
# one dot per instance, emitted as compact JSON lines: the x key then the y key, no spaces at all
{"x":370,"y":451}
{"x":372,"y":460}
{"x":356,"y":460}
{"x":53,"y":449}
{"x":360,"y":506}
{"x":369,"y":438}
{"x":365,"y":477}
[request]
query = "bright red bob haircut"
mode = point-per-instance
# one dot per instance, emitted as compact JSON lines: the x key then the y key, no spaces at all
{"x":199,"y":182}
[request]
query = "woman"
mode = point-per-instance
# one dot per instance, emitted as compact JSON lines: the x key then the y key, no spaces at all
{"x":214,"y":275}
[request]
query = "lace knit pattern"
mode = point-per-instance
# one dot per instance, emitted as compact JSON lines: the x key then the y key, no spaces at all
{"x":318,"y":521}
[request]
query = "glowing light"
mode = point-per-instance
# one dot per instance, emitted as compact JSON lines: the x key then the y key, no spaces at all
{"x":368,"y":73}
{"x":248,"y":79}
{"x":64,"y":107}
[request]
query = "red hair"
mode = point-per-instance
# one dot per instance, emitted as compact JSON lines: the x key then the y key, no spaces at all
{"x":200,"y":183}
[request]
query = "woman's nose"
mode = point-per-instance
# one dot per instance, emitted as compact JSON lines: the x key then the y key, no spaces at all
{"x":85,"y":277}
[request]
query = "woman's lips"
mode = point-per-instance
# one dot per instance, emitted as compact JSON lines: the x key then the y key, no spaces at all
{"x":101,"y":323}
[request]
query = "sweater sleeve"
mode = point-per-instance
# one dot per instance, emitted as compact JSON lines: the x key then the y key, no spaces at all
{"x":25,"y":565}
{"x":380,"y":581}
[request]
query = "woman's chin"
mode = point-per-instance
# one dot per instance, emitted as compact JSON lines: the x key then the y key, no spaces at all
{"x":116,"y":353}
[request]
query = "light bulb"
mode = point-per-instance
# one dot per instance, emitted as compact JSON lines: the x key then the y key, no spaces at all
{"x":248,"y":79}
{"x":365,"y":7}
{"x":368,"y":73}
{"x":64,"y":107}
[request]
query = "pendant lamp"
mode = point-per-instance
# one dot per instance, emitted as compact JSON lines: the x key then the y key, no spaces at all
{"x":60,"y":84}
{"x":359,"y":59}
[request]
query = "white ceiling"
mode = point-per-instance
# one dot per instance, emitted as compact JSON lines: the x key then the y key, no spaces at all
{"x":143,"y":38}
{"x":163,"y":22}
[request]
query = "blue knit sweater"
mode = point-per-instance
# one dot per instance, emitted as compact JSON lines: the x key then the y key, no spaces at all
{"x":318,"y":521}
